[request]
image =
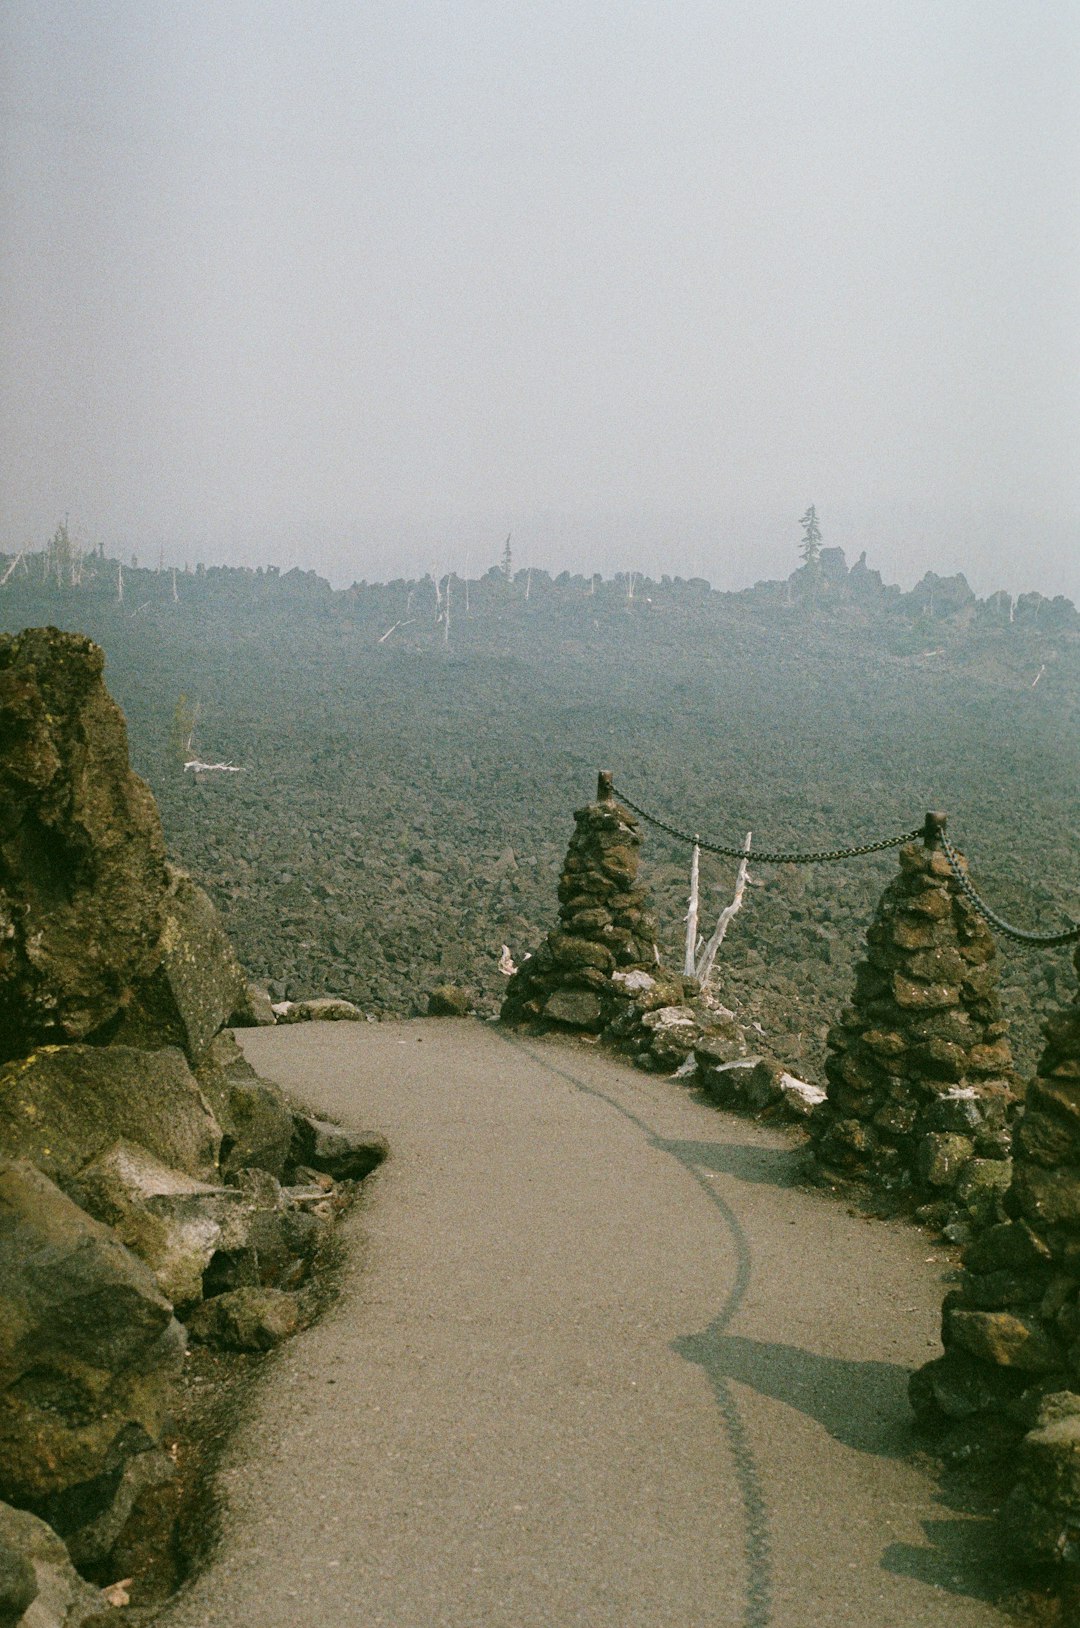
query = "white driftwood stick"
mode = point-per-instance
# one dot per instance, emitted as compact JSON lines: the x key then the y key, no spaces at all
{"x":703,"y":970}
{"x":692,"y":913}
{"x":394,"y":629}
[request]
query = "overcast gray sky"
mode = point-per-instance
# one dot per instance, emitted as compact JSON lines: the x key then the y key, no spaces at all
{"x":363,"y":287}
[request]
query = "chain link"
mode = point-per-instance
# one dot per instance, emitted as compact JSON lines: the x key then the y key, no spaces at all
{"x":821,"y":857}
{"x":1069,"y":936}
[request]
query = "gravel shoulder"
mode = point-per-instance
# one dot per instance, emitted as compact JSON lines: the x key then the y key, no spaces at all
{"x":596,"y":1360}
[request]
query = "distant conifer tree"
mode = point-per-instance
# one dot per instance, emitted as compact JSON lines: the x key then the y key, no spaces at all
{"x":810,"y":548}
{"x":507,"y":560}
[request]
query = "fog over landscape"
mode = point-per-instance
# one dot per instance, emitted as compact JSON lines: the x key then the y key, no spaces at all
{"x":365,"y":288}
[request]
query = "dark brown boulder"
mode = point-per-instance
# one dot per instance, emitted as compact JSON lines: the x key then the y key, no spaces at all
{"x":82,"y":858}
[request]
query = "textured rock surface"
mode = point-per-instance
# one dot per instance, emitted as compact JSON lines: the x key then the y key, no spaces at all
{"x":321,"y":1009}
{"x":344,"y":1155}
{"x":88,"y":1349}
{"x":250,"y":1319}
{"x":920,"y":1072}
{"x":197,"y":982}
{"x":1011,"y":1331}
{"x":82,"y":859}
{"x":63,"y":1106}
{"x":451,"y":1000}
{"x":170,"y":1220}
{"x":36,"y":1572}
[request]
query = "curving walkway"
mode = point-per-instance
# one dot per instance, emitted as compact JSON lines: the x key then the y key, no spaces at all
{"x":596,"y":1361}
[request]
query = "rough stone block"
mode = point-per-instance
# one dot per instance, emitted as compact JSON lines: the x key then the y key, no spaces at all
{"x":580,"y":952}
{"x":345,"y":1155}
{"x":197,"y":984}
{"x":577,"y":1008}
{"x":169,"y":1219}
{"x":941,"y":1156}
{"x":39,"y":1586}
{"x":1047,"y":1197}
{"x":920,"y":997}
{"x":252,"y":1319}
{"x":88,"y":1344}
{"x":81,"y":850}
{"x":64,"y":1105}
{"x":1006,"y":1339}
{"x":1010,"y":1245}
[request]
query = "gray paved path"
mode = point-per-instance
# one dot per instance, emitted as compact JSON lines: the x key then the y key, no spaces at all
{"x":595,"y":1362}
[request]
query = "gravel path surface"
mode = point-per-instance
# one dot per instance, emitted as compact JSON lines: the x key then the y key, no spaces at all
{"x":596,"y":1361}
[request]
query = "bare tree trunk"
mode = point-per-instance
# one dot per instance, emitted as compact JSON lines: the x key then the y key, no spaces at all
{"x":703,"y":970}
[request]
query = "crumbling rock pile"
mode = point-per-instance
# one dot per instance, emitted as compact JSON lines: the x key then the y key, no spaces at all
{"x":1011,"y":1331}
{"x":921,"y":1086}
{"x":152,"y":1186}
{"x":598,"y":970}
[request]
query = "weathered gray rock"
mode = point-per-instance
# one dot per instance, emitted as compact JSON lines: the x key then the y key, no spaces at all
{"x":197,"y":983}
{"x":1005,"y":1339}
{"x":322,"y":1009}
{"x":1041,"y":1517}
{"x":451,"y":1000}
{"x":254,"y":1115}
{"x":253,"y":1010}
{"x":577,"y":1008}
{"x":39,"y":1586}
{"x":88,"y":1347}
{"x":82,"y":859}
{"x":141,"y":1476}
{"x":344,"y":1155}
{"x":172,"y":1221}
{"x":61,"y":1107}
{"x":252,"y":1319}
{"x":941,"y":1157}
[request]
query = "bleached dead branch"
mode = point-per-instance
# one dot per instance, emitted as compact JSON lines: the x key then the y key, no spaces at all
{"x":1038,"y":675}
{"x":10,"y":568}
{"x":692,"y":914}
{"x":703,"y":969}
{"x":403,"y":623}
{"x":200,"y":767}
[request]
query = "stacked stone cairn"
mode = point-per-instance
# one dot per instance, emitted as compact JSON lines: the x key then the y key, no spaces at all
{"x":598,"y":971}
{"x":921,"y":1089}
{"x":1010,"y":1375}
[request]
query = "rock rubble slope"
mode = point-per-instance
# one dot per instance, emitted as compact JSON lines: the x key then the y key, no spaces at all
{"x":152,"y":1186}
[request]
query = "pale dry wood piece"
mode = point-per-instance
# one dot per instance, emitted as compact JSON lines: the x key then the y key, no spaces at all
{"x":703,"y":969}
{"x":692,"y":914}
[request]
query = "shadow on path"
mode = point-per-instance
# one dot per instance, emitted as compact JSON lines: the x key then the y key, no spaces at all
{"x":863,"y":1404}
{"x":963,"y":1557}
{"x":776,"y":1167}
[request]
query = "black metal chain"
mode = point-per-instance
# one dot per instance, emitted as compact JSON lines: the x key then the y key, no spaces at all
{"x":820,"y":857}
{"x":1070,"y":936}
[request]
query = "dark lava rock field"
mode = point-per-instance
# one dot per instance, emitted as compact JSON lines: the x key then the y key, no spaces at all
{"x":406,"y":797}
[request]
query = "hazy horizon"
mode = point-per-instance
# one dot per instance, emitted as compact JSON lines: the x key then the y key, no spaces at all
{"x":362,"y":290}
